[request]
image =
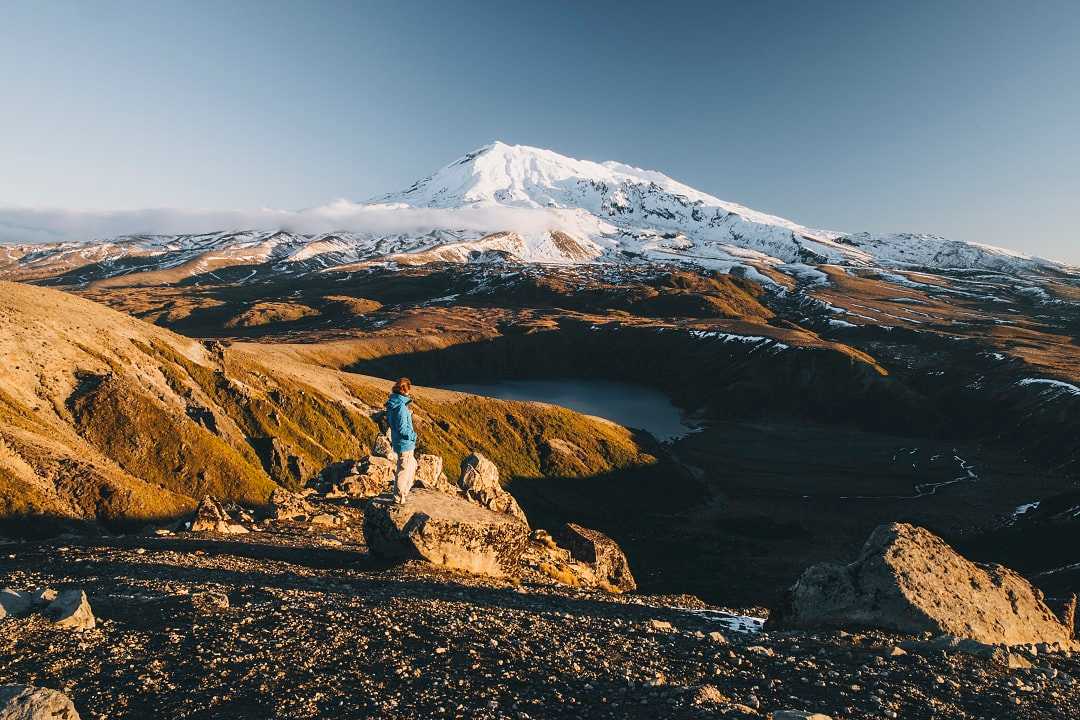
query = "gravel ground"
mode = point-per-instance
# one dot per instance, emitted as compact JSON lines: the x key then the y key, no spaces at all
{"x":287,"y":623}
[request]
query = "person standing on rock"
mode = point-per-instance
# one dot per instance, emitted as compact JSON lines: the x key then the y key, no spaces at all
{"x":402,"y":438}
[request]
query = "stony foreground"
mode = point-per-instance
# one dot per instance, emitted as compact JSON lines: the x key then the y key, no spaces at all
{"x":273,"y":625}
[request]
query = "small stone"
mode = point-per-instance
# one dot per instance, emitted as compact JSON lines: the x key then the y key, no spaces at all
{"x":708,"y":695}
{"x":718,"y":638}
{"x":210,"y":601}
{"x":661,"y":626}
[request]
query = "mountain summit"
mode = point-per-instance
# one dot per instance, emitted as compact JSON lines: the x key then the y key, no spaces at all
{"x":523,"y":176}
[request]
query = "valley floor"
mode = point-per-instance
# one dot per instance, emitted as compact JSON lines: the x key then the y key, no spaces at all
{"x":287,"y":623}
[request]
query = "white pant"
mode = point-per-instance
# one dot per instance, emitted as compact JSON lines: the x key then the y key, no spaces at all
{"x":405,"y":475}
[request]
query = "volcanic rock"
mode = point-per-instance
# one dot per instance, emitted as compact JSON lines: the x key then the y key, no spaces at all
{"x":429,"y":474}
{"x":25,"y":702}
{"x":209,"y":601}
{"x":600,"y":552}
{"x":446,"y":531}
{"x":480,"y":483}
{"x":908,"y":580}
{"x":290,"y":506}
{"x":372,"y":476}
{"x":210,"y":516}
{"x":384,"y":448}
{"x":71,"y":609}
{"x":334,"y":473}
{"x":40,"y":597}
{"x":14,"y":603}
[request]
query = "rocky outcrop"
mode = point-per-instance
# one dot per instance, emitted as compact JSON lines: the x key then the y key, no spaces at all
{"x":372,"y":476}
{"x":71,"y":609}
{"x":210,"y":516}
{"x":447,"y":531}
{"x":553,"y":563}
{"x":602,"y":554}
{"x":908,"y":580}
{"x":25,"y":702}
{"x":290,"y":506}
{"x":480,"y":483}
{"x":364,"y":478}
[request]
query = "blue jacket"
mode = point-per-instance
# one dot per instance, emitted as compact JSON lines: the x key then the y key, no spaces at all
{"x":399,"y":416}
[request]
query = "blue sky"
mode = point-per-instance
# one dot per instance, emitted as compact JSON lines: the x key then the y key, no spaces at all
{"x":958,"y":118}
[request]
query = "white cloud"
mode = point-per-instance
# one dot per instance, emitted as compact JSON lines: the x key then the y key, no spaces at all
{"x":46,"y":225}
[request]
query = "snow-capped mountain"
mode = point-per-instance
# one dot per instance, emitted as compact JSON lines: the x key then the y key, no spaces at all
{"x":504,"y":202}
{"x":647,"y":213}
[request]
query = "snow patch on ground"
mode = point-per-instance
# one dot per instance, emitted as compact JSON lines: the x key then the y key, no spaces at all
{"x":1051,"y":384}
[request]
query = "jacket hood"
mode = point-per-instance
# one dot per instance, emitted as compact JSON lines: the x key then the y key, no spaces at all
{"x":396,"y":401}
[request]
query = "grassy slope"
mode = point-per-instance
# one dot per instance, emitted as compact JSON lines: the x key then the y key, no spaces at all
{"x":104,"y":416}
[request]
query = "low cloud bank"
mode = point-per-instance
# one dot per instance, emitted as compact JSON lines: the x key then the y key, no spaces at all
{"x":48,"y":225}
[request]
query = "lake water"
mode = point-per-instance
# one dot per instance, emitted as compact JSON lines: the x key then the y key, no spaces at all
{"x":634,"y":406}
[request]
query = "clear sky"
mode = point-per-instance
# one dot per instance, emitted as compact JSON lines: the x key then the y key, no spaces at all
{"x":953,"y":117}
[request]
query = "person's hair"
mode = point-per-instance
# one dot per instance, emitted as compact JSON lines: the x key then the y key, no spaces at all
{"x":403,"y":386}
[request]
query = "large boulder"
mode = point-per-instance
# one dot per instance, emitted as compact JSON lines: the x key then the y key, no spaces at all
{"x":480,"y":484}
{"x":908,"y":580}
{"x":335,"y":472}
{"x":429,"y":474}
{"x":71,"y":609}
{"x":210,"y":516}
{"x":447,"y":531}
{"x":25,"y":702}
{"x":14,"y":603}
{"x":602,"y":554}
{"x":383,"y":448}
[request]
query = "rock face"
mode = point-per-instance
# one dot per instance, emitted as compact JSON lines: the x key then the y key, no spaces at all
{"x":480,"y":484}
{"x":210,"y":516}
{"x":71,"y":609}
{"x":447,"y":531}
{"x":601,"y":553}
{"x":908,"y":580}
{"x":25,"y":702}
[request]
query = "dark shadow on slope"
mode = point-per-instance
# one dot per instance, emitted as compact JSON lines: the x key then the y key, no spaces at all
{"x":730,"y":379}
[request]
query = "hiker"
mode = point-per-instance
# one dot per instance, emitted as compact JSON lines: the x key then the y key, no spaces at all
{"x":402,"y":438}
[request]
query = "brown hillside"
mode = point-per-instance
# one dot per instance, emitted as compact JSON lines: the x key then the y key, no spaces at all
{"x":106,"y":417}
